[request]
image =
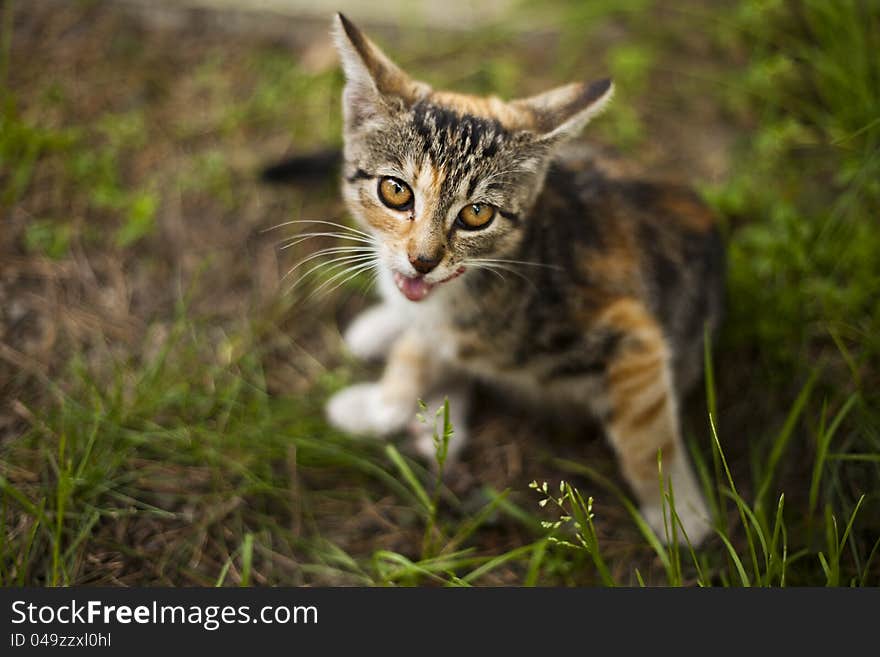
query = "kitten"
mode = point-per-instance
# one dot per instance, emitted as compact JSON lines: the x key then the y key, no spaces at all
{"x":503,"y":262}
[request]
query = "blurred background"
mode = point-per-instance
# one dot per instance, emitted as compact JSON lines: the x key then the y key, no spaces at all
{"x":161,"y":384}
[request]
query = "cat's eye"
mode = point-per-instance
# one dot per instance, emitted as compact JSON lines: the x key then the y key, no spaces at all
{"x":395,"y":193}
{"x":476,"y":216}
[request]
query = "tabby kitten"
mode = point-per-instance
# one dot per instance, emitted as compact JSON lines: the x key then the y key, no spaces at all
{"x":502,"y":261}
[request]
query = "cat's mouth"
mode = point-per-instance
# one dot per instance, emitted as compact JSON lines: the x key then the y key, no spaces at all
{"x":416,"y":288}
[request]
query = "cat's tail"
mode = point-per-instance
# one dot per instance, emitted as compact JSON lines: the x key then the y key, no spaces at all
{"x":308,"y":167}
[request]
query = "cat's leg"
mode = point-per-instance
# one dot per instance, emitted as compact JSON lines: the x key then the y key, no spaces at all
{"x":641,"y":419}
{"x":459,"y":396}
{"x":372,"y":333}
{"x":387,"y":406}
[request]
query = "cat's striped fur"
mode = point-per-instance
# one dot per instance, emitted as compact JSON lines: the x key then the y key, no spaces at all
{"x":584,"y":292}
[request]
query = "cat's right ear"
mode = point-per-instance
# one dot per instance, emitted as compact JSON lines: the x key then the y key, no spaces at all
{"x":561,"y":113}
{"x":373,"y":82}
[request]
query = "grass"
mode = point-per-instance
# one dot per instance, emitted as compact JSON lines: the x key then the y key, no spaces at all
{"x":161,"y":400}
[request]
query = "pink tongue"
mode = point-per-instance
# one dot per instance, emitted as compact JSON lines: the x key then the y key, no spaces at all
{"x":414,"y":289}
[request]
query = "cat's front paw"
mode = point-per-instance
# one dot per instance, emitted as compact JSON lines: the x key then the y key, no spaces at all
{"x":362,"y":410}
{"x":372,"y":333}
{"x":693,"y":520}
{"x":693,"y":517}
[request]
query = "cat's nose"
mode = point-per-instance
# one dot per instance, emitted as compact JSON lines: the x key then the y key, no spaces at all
{"x":424,"y":264}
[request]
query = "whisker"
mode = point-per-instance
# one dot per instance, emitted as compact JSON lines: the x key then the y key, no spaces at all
{"x":302,"y":237}
{"x":348,"y":278}
{"x":340,"y":267}
{"x":365,"y":285}
{"x":484,"y":267}
{"x":336,"y":262}
{"x":329,"y":266}
{"x":506,"y":268}
{"x":353,"y":271}
{"x":373,"y":278}
{"x":317,"y":221}
{"x":516,"y":262}
{"x":493,"y":266}
{"x":345,"y":249}
{"x":353,"y":250}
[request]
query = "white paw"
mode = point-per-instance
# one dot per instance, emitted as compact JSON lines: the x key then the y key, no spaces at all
{"x":372,"y":333}
{"x":693,"y":515}
{"x":362,"y":410}
{"x":693,"y":519}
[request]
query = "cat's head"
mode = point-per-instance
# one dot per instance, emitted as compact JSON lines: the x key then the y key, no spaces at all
{"x":442,"y":179}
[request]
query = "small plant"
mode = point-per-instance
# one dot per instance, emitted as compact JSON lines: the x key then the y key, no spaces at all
{"x":576,"y":519}
{"x":441,"y":438}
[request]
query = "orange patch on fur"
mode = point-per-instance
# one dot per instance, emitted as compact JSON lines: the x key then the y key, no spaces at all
{"x":408,"y":367}
{"x":643,"y":468}
{"x":633,"y":367}
{"x":437,"y":179}
{"x":489,"y":107}
{"x":642,"y":419}
{"x":637,"y":378}
{"x":631,"y":318}
{"x":383,"y":220}
{"x":616,"y":266}
{"x":687,"y":210}
{"x":646,"y":416}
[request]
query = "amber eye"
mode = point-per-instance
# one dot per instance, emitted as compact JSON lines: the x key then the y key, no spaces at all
{"x":395,"y":193}
{"x":476,"y":216}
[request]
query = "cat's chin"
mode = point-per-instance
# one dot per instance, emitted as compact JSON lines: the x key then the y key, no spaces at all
{"x":416,"y":288}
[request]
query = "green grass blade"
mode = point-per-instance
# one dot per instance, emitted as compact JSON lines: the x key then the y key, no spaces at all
{"x":783,"y":437}
{"x":778,"y":529}
{"x":581,"y":513}
{"x":823,"y":443}
{"x":852,"y":519}
{"x":759,"y":531}
{"x":410,"y":478}
{"x":221,"y":578}
{"x":863,"y":580}
{"x":715,"y":498}
{"x":829,"y":577}
{"x":515,"y":512}
{"x":247,"y":558}
{"x":701,"y":574}
{"x":734,"y":494}
{"x":855,"y":456}
{"x":469,"y":526}
{"x":18,"y":496}
{"x":736,"y":560}
{"x":639,"y":579}
{"x":535,"y":563}
{"x":642,"y":526}
{"x":493,"y":563}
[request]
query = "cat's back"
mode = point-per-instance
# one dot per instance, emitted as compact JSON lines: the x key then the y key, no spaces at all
{"x":621,"y":236}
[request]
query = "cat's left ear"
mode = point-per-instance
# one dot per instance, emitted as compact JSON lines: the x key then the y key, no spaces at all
{"x":560,"y":114}
{"x":373,"y":81}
